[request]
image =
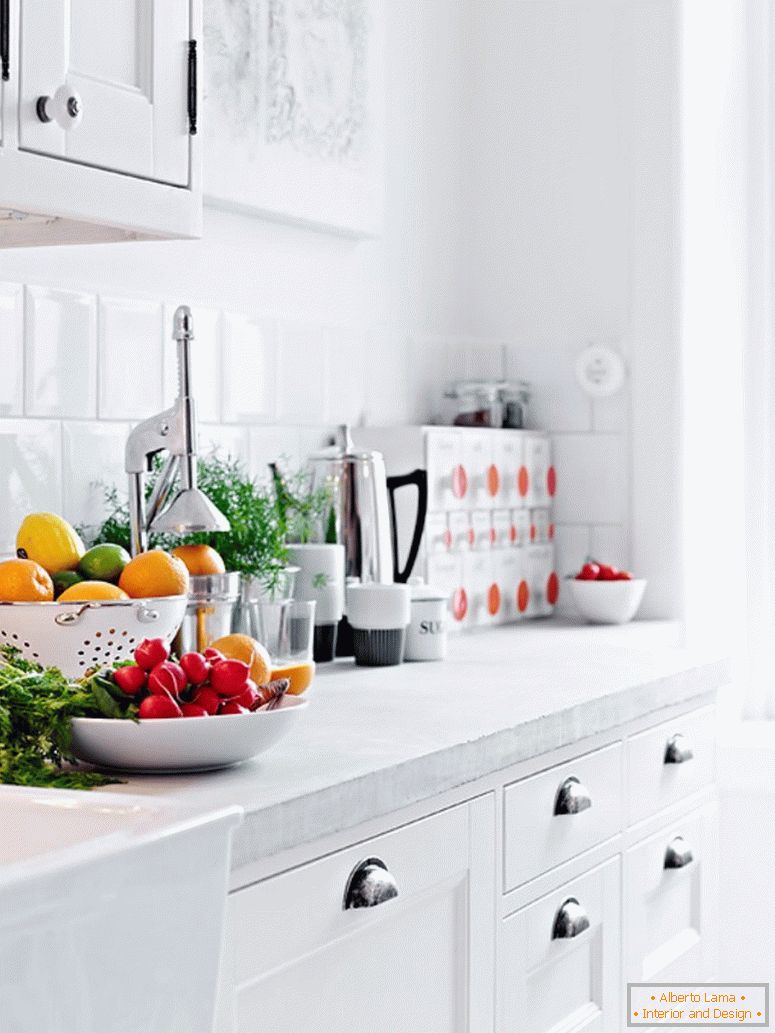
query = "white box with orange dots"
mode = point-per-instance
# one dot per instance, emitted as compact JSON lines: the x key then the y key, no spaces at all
{"x":488,"y":537}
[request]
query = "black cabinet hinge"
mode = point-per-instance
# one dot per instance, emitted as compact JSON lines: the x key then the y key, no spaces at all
{"x":192,"y":87}
{"x":5,"y":48}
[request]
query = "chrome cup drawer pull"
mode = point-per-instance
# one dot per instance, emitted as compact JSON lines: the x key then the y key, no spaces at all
{"x":572,"y":797}
{"x":678,"y":853}
{"x":369,"y":885}
{"x":678,"y":749}
{"x":571,"y":920}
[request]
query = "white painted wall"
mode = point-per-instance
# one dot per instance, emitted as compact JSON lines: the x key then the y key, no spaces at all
{"x":571,"y":236}
{"x":312,"y":328}
{"x":532,"y":204}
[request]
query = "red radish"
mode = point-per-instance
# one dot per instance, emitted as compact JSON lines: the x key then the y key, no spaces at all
{"x":207,"y":699}
{"x":151,"y":652}
{"x":192,"y":710}
{"x":196,"y":668}
{"x":607,"y":573}
{"x":229,"y":677}
{"x":157,"y":707}
{"x":232,"y":707}
{"x":624,"y":575}
{"x":167,"y":677}
{"x":589,"y":572}
{"x":130,"y":679}
{"x":214,"y":656}
{"x":250,"y":697}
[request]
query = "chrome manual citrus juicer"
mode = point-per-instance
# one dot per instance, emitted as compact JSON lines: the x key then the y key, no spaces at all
{"x":173,"y":431}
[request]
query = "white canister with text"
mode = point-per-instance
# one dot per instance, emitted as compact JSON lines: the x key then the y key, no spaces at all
{"x":426,"y":636}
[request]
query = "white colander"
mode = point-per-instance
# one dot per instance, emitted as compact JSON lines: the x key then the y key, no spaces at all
{"x":78,"y":636}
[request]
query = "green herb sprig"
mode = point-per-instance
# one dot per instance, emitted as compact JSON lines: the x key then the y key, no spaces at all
{"x":36,"y":708}
{"x":255,"y":545}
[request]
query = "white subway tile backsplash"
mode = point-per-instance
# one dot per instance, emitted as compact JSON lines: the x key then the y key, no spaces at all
{"x":557,"y":404}
{"x":387,"y":378}
{"x":573,"y":548}
{"x":60,"y":353}
{"x":592,"y":472}
{"x":226,"y":440}
{"x":131,"y":365}
{"x":249,"y":369}
{"x":266,"y":393}
{"x":611,"y":415}
{"x":313,"y":439}
{"x":428,"y":377}
{"x":610,"y":545}
{"x":303,"y":375}
{"x":11,"y":349}
{"x":346,"y":369}
{"x":30,"y":473}
{"x":206,"y":361}
{"x":273,"y":444}
{"x":474,"y":360}
{"x":92,"y":458}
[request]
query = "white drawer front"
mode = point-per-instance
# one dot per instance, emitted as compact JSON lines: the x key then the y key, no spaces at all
{"x":547,"y":983}
{"x":653,"y":782}
{"x":536,"y":838}
{"x":300,"y":961}
{"x":671,"y":902}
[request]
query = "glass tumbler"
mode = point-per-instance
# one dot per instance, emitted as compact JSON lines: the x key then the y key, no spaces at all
{"x":301,"y":630}
{"x":271,"y":621}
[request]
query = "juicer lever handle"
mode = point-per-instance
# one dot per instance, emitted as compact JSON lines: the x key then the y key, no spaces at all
{"x":419,"y":478}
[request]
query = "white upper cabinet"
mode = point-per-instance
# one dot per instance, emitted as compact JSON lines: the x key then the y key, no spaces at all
{"x":99,"y":119}
{"x":121,"y":68}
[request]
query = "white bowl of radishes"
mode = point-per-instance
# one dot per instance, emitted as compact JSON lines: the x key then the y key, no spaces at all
{"x":604,"y":595}
{"x":196,"y":713}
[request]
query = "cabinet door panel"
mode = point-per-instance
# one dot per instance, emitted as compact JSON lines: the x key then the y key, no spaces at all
{"x":671,"y":913}
{"x":398,"y":974}
{"x":128,"y":62}
{"x":423,"y":960}
{"x":548,"y":984}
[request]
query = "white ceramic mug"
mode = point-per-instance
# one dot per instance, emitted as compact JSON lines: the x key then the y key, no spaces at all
{"x":320,"y":577}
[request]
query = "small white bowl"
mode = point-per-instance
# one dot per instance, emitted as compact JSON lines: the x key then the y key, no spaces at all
{"x":607,"y":602}
{"x":178,"y":744}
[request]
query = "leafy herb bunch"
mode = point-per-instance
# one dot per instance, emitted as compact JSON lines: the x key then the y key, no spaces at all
{"x":255,"y":545}
{"x":36,"y":708}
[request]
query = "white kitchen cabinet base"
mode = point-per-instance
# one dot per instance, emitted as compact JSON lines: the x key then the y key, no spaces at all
{"x":672,"y":912}
{"x":549,"y":984}
{"x":299,"y":960}
{"x":399,"y":974}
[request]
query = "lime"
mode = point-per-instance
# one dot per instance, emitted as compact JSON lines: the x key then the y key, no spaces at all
{"x":104,"y":563}
{"x":65,"y":579}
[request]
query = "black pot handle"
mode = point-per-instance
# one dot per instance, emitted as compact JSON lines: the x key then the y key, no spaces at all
{"x":419,"y":478}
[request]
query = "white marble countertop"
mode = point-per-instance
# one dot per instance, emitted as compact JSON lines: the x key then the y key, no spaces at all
{"x":376,"y":740}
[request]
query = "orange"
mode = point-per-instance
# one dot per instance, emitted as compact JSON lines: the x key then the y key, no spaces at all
{"x":300,"y":676}
{"x":25,"y":581}
{"x":200,"y":559}
{"x":85,"y":591}
{"x":154,"y":573}
{"x":251,"y":652}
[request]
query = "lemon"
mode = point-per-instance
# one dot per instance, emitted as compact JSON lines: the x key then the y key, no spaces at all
{"x":50,"y":541}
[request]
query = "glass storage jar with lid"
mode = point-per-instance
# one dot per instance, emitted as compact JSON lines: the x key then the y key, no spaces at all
{"x":478,"y":403}
{"x":515,"y":399}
